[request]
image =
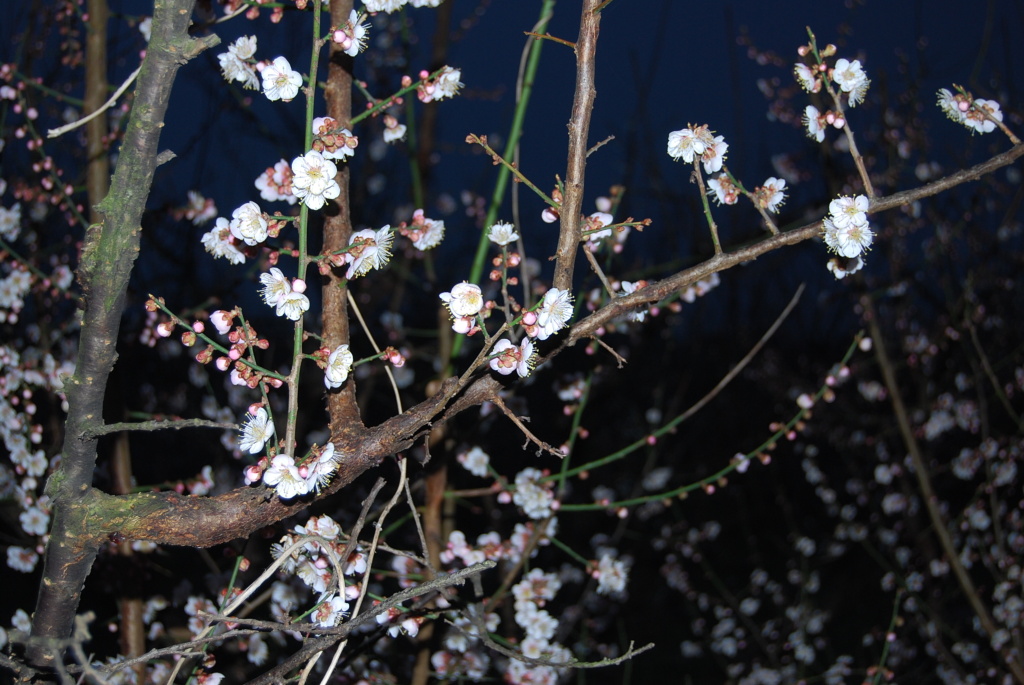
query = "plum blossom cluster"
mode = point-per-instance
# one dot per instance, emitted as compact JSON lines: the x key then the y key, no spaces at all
{"x":424,"y":233}
{"x":390,"y":6}
{"x":199,"y":209}
{"x":507,"y":357}
{"x":532,"y":593}
{"x":332,"y":140}
{"x":698,"y":143}
{"x":285,"y":296}
{"x":550,"y":316}
{"x":847,"y":232}
{"x":275,"y":183}
{"x":848,"y":76}
{"x":239,"y":64}
{"x":464,"y":303}
{"x":248,"y":227}
{"x":817,"y":122}
{"x":318,"y":563}
{"x":289,"y":478}
{"x":368,"y":249}
{"x":980,"y":116}
{"x":445,"y":85}
{"x":352,"y":35}
{"x":492,"y":546}
{"x":25,"y":378}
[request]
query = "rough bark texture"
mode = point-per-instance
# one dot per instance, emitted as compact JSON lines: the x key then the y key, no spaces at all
{"x":345,"y":422}
{"x":107,"y":259}
{"x":579,"y":130}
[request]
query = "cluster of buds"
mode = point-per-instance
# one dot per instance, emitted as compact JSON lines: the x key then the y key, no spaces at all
{"x":332,"y":140}
{"x":502,"y":263}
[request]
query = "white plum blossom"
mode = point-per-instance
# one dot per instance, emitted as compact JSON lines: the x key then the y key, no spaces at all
{"x":850,"y":77}
{"x":34,"y":520}
{"x":979,"y":117}
{"x":383,"y":5}
{"x":338,"y":365}
{"x":475,"y":461}
{"x":714,"y":156}
{"x":534,"y":498}
{"x":554,"y":312}
{"x":846,"y":230}
{"x":368,"y":249}
{"x":256,"y":432}
{"x":814,"y":122}
{"x":690,"y":143}
{"x":726,"y":192}
{"x":445,"y":85}
{"x":248,"y":224}
{"x":954,"y":106}
{"x":280,"y":81}
{"x":771,"y":195}
{"x":841,"y":271}
{"x":508,"y":357}
{"x":628,"y":288}
{"x":424,"y":232}
{"x":320,"y":470}
{"x":807,"y":78}
{"x":235,"y":63}
{"x":330,"y":612}
{"x":275,"y":286}
{"x":502,"y":233}
{"x":22,"y":559}
{"x":352,"y":36}
{"x":217,"y":241}
{"x":276,"y":183}
{"x":393,"y":131}
{"x":292,"y":305}
{"x":448,"y":83}
{"x":284,"y":476}
{"x":313,"y":179}
{"x":611,"y":575}
{"x":10,"y":222}
{"x":847,"y":210}
{"x":975,"y":114}
{"x":465,"y":299}
{"x":849,"y":242}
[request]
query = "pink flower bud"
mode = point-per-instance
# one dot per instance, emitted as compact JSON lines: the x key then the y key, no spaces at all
{"x":253,"y":474}
{"x":221,"y":320}
{"x":299,"y":285}
{"x":529,"y":318}
{"x":223,"y":363}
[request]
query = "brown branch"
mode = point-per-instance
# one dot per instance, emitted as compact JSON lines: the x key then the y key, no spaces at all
{"x":108,"y":256}
{"x":579,"y":127}
{"x":341,"y":404}
{"x":678,"y":282}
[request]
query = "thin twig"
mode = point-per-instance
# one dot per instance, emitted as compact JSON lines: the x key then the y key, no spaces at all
{"x":924,"y":483}
{"x":170,"y":424}
{"x":543,"y":446}
{"x":57,"y":132}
